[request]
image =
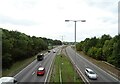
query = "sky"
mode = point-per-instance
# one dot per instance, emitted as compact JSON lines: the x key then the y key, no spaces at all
{"x":46,"y":18}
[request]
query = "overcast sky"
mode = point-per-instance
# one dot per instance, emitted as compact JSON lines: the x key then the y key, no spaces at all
{"x":46,"y":18}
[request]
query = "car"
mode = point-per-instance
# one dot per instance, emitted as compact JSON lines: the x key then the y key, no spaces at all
{"x":40,"y":71}
{"x":48,"y":51}
{"x":40,"y":57}
{"x":90,"y":73}
{"x":8,"y":80}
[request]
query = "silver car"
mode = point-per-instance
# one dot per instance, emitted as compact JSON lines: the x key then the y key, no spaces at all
{"x":90,"y":73}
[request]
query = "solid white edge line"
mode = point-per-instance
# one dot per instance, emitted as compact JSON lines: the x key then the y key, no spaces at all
{"x":27,"y":67}
{"x":82,"y":74}
{"x":48,"y":73}
{"x":80,"y":71}
{"x":101,"y":70}
{"x":97,"y":67}
{"x":60,"y":76}
{"x":23,"y":69}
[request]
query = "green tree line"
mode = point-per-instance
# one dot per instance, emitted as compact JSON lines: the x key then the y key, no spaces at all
{"x":106,"y":48}
{"x":18,"y":46}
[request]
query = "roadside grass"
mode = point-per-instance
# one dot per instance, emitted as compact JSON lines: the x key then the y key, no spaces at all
{"x":103,"y":65}
{"x":68,"y":73}
{"x":18,"y":66}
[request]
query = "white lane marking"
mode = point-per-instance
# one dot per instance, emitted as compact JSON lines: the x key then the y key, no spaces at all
{"x":97,"y":67}
{"x":79,"y":69}
{"x":33,"y":73}
{"x":46,"y":53}
{"x":48,"y":72}
{"x":34,"y":61}
{"x":60,"y":76}
{"x":86,"y":66}
{"x":83,"y":75}
{"x":23,"y":69}
{"x":45,"y":56}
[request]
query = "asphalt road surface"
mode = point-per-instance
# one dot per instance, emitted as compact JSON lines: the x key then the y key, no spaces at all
{"x":82,"y":63}
{"x":28,"y":74}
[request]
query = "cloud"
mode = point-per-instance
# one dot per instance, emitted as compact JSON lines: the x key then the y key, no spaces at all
{"x":108,"y":5}
{"x":46,"y":18}
{"x":109,"y":20}
{"x":9,"y":20}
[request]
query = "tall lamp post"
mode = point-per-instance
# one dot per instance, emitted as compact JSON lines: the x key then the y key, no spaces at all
{"x":75,"y":21}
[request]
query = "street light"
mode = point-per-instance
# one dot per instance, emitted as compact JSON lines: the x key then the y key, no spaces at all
{"x":75,"y":20}
{"x":75,"y":25}
{"x":75,"y":35}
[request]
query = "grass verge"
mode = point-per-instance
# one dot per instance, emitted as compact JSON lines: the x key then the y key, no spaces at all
{"x":18,"y":66}
{"x":63,"y":71}
{"x":103,"y":65}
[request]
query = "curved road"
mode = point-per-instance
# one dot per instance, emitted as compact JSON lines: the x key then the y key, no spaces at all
{"x":82,"y":63}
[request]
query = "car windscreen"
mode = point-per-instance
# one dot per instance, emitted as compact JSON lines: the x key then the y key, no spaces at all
{"x":91,"y":72}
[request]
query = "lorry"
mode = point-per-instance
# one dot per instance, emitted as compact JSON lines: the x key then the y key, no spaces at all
{"x":40,"y":57}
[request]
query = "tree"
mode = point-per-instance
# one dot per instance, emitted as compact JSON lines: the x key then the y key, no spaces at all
{"x":116,"y":52}
{"x":6,"y":61}
{"x":102,"y":40}
{"x":108,"y":48}
{"x":19,"y":46}
{"x":98,"y":54}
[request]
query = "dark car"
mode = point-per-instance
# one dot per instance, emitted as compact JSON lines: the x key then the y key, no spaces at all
{"x":40,"y":71}
{"x":40,"y":57}
{"x":48,"y":51}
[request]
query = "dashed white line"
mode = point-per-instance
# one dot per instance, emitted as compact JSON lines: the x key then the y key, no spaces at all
{"x":23,"y":69}
{"x":47,"y":73}
{"x":33,"y":73}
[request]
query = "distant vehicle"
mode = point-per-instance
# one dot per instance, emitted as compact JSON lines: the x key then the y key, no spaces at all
{"x":40,"y":71}
{"x":48,"y":51}
{"x":90,"y":73}
{"x":54,"y":51}
{"x":8,"y":80}
{"x":40,"y":57}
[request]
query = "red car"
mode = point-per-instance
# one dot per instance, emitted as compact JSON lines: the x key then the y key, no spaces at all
{"x":40,"y":71}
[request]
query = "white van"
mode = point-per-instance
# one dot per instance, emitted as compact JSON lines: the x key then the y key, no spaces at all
{"x":8,"y":80}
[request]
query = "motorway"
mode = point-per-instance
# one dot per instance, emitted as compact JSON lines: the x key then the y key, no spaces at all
{"x":81,"y":63}
{"x":28,"y":74}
